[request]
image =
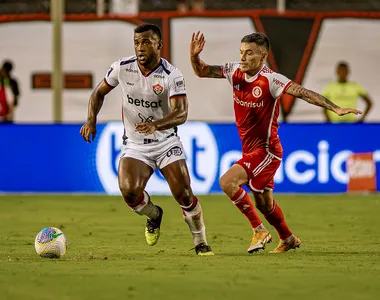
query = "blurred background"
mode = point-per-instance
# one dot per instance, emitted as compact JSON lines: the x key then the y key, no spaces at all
{"x":54,"y":52}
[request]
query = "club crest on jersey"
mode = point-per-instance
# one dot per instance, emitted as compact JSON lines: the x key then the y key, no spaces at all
{"x":257,"y":92}
{"x":158,"y":89}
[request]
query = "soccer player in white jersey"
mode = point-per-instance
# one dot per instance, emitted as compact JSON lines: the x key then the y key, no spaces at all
{"x":256,"y":93}
{"x":154,"y":103}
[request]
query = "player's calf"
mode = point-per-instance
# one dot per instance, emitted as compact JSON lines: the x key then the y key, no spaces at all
{"x":276,"y":218}
{"x":145,"y":207}
{"x":261,"y":235}
{"x":193,"y":216}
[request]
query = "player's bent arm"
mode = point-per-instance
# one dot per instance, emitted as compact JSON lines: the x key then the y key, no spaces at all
{"x":96,"y":100}
{"x":177,"y":116}
{"x":311,"y":97}
{"x":201,"y":69}
{"x":368,"y":102}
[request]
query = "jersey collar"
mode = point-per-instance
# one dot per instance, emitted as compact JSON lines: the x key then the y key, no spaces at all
{"x":151,"y":71}
{"x":254,"y":77}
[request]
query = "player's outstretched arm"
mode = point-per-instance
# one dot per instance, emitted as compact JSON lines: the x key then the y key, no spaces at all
{"x":177,"y":116}
{"x":94,"y":105}
{"x":312,"y":97}
{"x":201,"y":69}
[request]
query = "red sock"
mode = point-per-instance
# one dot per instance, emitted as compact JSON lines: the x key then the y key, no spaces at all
{"x":244,"y":204}
{"x":276,"y":218}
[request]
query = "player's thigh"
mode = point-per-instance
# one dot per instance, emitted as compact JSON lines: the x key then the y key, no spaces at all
{"x":133,"y":175}
{"x":178,"y":178}
{"x":261,"y":168}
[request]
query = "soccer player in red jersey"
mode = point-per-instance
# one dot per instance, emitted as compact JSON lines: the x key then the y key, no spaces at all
{"x":256,"y":94}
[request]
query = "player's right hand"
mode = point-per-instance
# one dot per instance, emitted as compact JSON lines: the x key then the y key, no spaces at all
{"x":197,"y":43}
{"x":88,"y":130}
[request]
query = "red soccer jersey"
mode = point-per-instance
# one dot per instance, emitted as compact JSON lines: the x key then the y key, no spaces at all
{"x":257,"y":106}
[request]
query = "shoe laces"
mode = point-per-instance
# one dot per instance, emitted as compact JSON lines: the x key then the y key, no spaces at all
{"x":151,"y":225}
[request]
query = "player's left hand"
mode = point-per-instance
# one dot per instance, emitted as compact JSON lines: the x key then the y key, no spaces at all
{"x":88,"y":130}
{"x":344,"y":111}
{"x":146,"y":128}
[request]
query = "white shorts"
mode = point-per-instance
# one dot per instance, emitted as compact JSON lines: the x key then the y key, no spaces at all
{"x":155,"y":155}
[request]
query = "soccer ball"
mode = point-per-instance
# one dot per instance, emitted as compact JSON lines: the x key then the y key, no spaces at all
{"x":51,"y":242}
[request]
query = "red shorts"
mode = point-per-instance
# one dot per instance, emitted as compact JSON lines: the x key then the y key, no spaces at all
{"x":261,"y":166}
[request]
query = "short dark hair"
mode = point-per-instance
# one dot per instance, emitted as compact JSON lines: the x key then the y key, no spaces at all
{"x":146,"y":27}
{"x":342,"y":64}
{"x":258,"y":38}
{"x":8,"y":66}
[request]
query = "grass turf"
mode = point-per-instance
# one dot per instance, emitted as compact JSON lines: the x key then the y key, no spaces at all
{"x":108,"y":257}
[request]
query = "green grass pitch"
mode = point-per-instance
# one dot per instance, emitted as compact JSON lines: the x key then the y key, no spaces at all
{"x":108,"y":257}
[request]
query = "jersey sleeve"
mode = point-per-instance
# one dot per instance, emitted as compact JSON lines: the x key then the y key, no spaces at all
{"x":361,"y":90}
{"x":176,"y":84}
{"x":112,"y":75}
{"x":229,"y":70}
{"x":278,"y":84}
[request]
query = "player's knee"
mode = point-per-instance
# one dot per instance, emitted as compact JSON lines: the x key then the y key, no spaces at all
{"x":184,"y":196}
{"x":223,"y":182}
{"x":130,"y":196}
{"x":227,"y":184}
{"x":130,"y":193}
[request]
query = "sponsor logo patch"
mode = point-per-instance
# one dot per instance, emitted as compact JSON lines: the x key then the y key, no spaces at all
{"x":278,"y":82}
{"x":179,"y":84}
{"x":144,"y":103}
{"x":131,"y":70}
{"x":176,"y":151}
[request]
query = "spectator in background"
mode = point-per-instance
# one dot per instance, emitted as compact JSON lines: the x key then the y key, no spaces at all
{"x":345,"y":94}
{"x":9,"y":93}
{"x":197,"y":5}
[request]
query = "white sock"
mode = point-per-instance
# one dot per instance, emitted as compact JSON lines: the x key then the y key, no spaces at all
{"x":194,"y":218}
{"x":261,"y":227}
{"x":289,"y":239}
{"x":146,"y":207}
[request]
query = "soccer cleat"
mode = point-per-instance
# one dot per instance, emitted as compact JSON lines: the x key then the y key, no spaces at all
{"x":152,"y":228}
{"x":285,"y":247}
{"x":259,"y":239}
{"x":203,"y":249}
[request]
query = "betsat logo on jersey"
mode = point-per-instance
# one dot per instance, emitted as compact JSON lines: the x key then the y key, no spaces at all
{"x":144,"y":103}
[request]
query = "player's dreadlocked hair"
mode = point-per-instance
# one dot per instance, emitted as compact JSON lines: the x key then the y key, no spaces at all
{"x":257,"y":38}
{"x":146,"y":27}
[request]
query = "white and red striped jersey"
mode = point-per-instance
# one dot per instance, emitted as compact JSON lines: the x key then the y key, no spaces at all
{"x":257,"y":107}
